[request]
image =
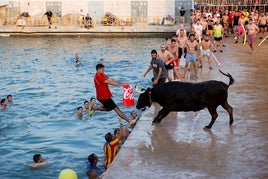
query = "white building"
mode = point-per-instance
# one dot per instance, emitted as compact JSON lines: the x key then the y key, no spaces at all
{"x":138,"y":11}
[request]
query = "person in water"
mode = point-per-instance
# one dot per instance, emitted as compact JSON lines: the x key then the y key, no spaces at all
{"x":77,"y":61}
{"x":38,"y":161}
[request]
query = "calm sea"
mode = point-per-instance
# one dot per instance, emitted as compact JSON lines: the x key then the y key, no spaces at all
{"x":47,"y":87}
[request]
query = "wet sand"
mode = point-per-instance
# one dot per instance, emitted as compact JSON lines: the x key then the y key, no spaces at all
{"x":179,"y":147}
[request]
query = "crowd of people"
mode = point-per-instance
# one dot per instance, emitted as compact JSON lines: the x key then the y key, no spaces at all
{"x":206,"y":36}
{"x":239,"y":23}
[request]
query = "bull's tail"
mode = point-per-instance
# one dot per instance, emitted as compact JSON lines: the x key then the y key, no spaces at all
{"x":230,"y":77}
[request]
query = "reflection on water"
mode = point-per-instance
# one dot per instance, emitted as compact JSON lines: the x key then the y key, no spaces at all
{"x":47,"y":88}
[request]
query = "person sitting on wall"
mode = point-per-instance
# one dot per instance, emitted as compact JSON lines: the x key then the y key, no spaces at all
{"x":88,"y":22}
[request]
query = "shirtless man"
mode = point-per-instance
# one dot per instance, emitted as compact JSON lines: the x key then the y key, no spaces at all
{"x":167,"y":58}
{"x":225,"y":19}
{"x":174,"y":51}
{"x":263,"y":20}
{"x":252,"y":31}
{"x":181,"y":28}
{"x":206,"y":48}
{"x":38,"y":161}
{"x":182,"y":42}
{"x":240,"y":28}
{"x":192,"y":45}
{"x":192,"y":18}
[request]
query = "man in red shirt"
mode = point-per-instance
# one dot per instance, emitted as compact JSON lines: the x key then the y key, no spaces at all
{"x":104,"y":94}
{"x":231,"y":22}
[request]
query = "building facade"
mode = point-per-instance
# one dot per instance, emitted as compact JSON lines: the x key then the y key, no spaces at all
{"x":66,"y":12}
{"x":138,"y":11}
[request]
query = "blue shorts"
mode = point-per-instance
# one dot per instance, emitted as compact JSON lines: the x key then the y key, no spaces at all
{"x":205,"y":52}
{"x":190,"y":57}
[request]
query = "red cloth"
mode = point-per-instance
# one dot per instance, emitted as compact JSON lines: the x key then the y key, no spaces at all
{"x":102,"y":89}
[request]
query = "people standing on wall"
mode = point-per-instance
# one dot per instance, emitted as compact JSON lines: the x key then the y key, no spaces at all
{"x":182,"y":15}
{"x":49,"y":15}
{"x":81,"y":18}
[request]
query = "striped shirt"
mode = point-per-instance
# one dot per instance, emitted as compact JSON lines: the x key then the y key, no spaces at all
{"x":110,"y":150}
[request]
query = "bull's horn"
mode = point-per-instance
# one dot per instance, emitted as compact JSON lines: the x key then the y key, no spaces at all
{"x":138,"y":90}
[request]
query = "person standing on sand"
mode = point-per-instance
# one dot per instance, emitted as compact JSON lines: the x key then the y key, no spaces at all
{"x":104,"y":94}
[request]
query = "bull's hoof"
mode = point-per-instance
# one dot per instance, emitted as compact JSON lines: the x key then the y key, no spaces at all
{"x":208,"y":127}
{"x":155,"y":122}
{"x":231,"y":122}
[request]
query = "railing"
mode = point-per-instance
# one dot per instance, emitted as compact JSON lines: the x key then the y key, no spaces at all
{"x":74,"y":21}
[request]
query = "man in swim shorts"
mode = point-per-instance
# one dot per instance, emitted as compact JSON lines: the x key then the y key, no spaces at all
{"x":240,"y":29}
{"x":252,"y":31}
{"x":192,"y":45}
{"x":206,"y":48}
{"x":174,"y":51}
{"x":168,"y":59}
{"x":104,"y":94}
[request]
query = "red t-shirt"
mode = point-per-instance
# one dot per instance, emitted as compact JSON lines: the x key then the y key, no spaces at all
{"x":102,"y":90}
{"x":231,"y":18}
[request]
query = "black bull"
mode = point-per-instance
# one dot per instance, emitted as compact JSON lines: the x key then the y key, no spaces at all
{"x":185,"y":96}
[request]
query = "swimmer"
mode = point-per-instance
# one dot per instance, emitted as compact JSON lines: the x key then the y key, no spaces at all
{"x":79,"y":112}
{"x":86,"y":105}
{"x":92,"y":169}
{"x":3,"y":103}
{"x":91,"y":106}
{"x":9,"y":98}
{"x":38,"y":161}
{"x":77,"y":61}
{"x":101,"y":61}
{"x":127,"y":62}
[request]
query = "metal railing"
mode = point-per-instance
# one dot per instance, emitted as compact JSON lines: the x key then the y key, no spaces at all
{"x":73,"y":20}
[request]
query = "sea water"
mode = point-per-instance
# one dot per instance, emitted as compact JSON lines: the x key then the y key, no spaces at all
{"x":47,"y":88}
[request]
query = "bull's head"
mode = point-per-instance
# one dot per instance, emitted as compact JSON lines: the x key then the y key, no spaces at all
{"x":144,"y":98}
